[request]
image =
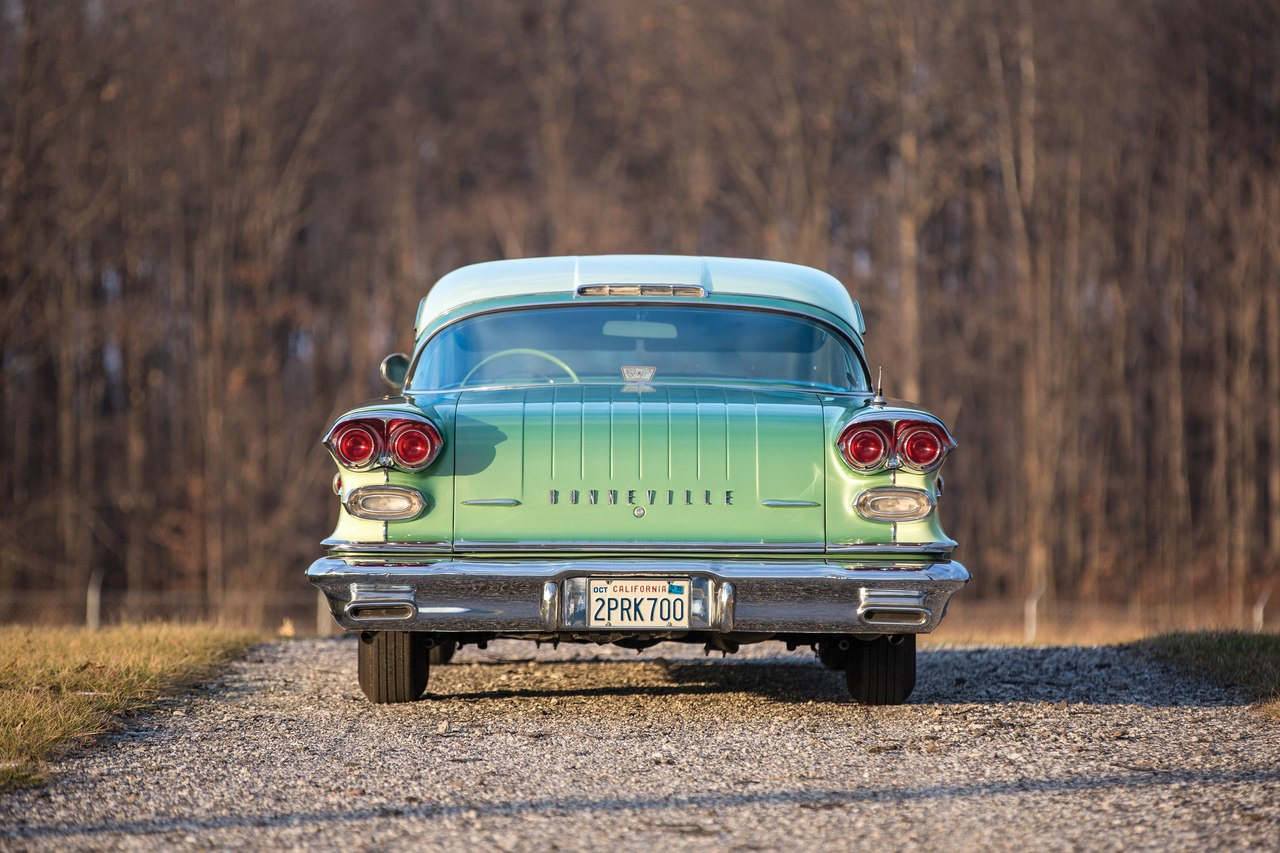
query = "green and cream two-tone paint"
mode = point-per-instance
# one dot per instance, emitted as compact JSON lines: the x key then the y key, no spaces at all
{"x":707,"y":423}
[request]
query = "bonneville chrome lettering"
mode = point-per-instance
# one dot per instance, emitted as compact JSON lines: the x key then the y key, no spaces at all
{"x":636,"y":497}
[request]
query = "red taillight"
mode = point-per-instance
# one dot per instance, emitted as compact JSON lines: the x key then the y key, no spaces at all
{"x":920,"y":447}
{"x":864,"y":447}
{"x":409,"y":443}
{"x":415,"y":445}
{"x":355,"y":445}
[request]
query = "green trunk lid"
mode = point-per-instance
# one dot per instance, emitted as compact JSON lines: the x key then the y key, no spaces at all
{"x":646,"y":467}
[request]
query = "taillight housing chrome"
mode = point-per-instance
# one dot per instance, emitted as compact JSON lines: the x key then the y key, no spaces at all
{"x":864,"y":446}
{"x":414,"y":445}
{"x":356,"y":445}
{"x":912,"y":443}
{"x":408,"y":442}
{"x":921,"y":446}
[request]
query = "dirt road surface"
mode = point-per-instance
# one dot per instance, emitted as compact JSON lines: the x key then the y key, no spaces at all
{"x":587,"y":748}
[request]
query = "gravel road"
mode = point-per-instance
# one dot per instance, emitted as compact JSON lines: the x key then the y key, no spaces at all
{"x":585,"y":748}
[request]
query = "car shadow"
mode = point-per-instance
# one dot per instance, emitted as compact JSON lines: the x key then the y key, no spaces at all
{"x":1108,"y":675}
{"x":477,"y":445}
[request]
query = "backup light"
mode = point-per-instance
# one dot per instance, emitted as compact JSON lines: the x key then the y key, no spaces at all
{"x":385,"y":503}
{"x":894,"y":503}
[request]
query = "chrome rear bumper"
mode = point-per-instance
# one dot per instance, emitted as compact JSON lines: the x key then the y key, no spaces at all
{"x":542,"y":597}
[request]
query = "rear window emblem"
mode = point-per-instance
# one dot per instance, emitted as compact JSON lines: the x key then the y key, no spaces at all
{"x":634,"y":373}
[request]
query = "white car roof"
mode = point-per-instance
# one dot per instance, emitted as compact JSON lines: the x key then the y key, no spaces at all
{"x":564,"y":275}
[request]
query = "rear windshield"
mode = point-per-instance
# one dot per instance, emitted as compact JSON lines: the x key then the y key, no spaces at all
{"x":638,"y":344}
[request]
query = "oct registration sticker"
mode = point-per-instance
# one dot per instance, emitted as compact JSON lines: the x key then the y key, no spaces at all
{"x":638,"y":603}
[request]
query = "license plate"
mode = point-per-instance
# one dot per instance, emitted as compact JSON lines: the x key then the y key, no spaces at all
{"x":638,"y":603}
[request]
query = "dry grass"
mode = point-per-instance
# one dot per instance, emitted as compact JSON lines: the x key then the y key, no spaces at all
{"x":1250,"y":662}
{"x":59,"y":686}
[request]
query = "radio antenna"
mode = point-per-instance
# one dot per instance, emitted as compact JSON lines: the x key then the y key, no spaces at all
{"x":878,"y":399}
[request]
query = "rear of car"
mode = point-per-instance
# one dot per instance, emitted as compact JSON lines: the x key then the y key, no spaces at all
{"x":634,"y":449}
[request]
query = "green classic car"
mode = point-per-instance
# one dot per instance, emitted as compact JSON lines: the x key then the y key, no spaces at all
{"x":631,"y":450}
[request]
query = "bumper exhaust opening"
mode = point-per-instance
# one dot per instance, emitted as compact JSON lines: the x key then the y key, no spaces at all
{"x":895,"y":616}
{"x":381,"y":610}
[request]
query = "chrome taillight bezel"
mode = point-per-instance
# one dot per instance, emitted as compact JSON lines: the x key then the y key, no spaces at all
{"x":905,"y":432}
{"x":894,"y":433}
{"x":385,"y":432}
{"x":845,"y":444}
{"x":398,"y":432}
{"x":339,"y":435}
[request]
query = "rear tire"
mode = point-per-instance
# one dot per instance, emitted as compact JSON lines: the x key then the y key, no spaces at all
{"x":832,"y":655}
{"x":393,"y":666}
{"x":882,"y":671}
{"x":442,"y":652}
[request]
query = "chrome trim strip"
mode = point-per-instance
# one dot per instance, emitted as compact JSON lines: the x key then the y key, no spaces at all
{"x":492,"y":502}
{"x":945,"y":546}
{"x":776,"y":504}
{"x":737,"y":386}
{"x":605,"y":547}
{"x":869,"y":549}
{"x":342,"y":546}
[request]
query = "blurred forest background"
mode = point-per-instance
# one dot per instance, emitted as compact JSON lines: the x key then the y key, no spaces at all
{"x":1062,"y":219}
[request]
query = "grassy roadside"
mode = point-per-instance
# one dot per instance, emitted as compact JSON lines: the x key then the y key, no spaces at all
{"x":1250,"y":662}
{"x":62,"y":685}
